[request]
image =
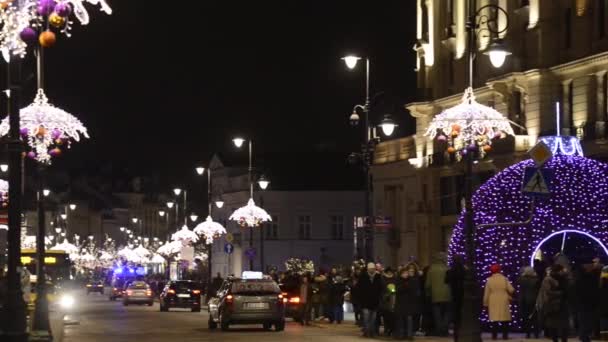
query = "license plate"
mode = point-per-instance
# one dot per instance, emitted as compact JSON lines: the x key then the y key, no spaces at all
{"x":256,"y":305}
{"x":183,"y":295}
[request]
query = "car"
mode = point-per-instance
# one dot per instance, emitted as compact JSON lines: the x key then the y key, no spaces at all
{"x":94,"y":286}
{"x":181,"y":294}
{"x":248,"y":301}
{"x":138,"y":292}
{"x":291,"y":298}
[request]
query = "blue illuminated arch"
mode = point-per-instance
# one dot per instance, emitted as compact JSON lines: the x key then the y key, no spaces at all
{"x":567,"y":231}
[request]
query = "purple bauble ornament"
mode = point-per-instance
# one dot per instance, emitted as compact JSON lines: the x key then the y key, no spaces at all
{"x":472,"y":148}
{"x":46,"y":7}
{"x":24,"y":131}
{"x":63,"y":9}
{"x":53,"y":153}
{"x":28,"y":35}
{"x":56,"y":134}
{"x":31,"y":154}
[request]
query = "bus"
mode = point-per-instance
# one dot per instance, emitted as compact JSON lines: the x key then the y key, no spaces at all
{"x":57,"y":264}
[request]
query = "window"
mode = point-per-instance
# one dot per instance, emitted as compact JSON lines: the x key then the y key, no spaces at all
{"x":337,"y":227}
{"x":304,"y":224}
{"x":568,"y":28}
{"x":272,"y":228}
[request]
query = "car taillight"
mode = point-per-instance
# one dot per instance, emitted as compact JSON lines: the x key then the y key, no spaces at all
{"x":100,"y":285}
{"x":285,"y":300}
{"x":148,"y":292}
{"x":196,"y":291}
{"x":89,"y":285}
{"x":171,"y":291}
{"x":294,"y":300}
{"x":129,"y":292}
{"x":115,"y":289}
{"x":229,"y":298}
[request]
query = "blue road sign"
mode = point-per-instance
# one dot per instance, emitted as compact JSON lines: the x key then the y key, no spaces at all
{"x":537,"y":182}
{"x":228,"y":248}
{"x":250,"y":252}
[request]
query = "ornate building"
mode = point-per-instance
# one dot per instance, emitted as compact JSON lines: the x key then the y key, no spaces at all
{"x":560,"y":54}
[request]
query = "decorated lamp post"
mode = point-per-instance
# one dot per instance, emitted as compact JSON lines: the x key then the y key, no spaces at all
{"x":469,"y":129}
{"x":250,"y":215}
{"x":209,"y":229}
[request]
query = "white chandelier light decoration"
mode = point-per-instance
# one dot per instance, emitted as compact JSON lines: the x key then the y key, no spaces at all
{"x":157,"y":259}
{"x":66,"y":247}
{"x":250,"y":215}
{"x":142,"y":252}
{"x":185,"y":236}
{"x":45,"y":128}
{"x":210,"y":230}
{"x":170,"y":248}
{"x":3,"y":192}
{"x":469,"y":123}
{"x":15,"y":16}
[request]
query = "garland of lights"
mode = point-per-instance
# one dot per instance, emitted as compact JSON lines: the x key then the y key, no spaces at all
{"x":210,"y":230}
{"x":250,"y":215}
{"x":46,"y":128}
{"x":578,"y":203}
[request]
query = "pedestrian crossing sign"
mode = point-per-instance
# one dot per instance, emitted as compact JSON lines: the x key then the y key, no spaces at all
{"x":537,"y":181}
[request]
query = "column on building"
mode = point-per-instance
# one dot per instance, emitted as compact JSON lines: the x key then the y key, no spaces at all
{"x":566,"y":108}
{"x":600,"y":111}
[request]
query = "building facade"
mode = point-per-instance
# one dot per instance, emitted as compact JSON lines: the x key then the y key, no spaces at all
{"x":314,"y":225}
{"x":560,"y":54}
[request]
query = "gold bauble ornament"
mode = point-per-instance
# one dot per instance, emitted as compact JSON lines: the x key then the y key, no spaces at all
{"x":56,"y":20}
{"x":5,"y":3}
{"x":47,"y":39}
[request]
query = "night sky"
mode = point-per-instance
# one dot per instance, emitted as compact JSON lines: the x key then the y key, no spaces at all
{"x":162,"y":87}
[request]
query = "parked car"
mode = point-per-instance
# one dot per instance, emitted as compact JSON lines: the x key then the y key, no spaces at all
{"x":138,"y":292}
{"x":248,"y":301}
{"x":181,"y":294}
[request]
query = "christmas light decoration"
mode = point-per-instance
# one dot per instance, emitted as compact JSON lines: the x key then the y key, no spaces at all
{"x":142,"y":252}
{"x":564,"y":145}
{"x":250,"y":215}
{"x":157,"y":259}
{"x":46,"y":128}
{"x":185,"y":236}
{"x":469,"y":123}
{"x":578,"y":203}
{"x":170,"y":249}
{"x":66,"y":247}
{"x":210,"y":230}
{"x":538,"y":251}
{"x":3,"y":192}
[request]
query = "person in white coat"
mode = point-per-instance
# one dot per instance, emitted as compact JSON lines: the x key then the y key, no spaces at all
{"x":497,"y":298}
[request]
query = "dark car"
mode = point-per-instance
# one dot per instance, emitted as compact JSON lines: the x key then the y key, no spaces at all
{"x":94,"y":286}
{"x":248,"y":301}
{"x":181,"y":294}
{"x":291,"y":297}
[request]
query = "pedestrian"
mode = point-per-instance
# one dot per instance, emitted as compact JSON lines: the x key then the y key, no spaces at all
{"x":319,"y":289}
{"x":26,"y":284}
{"x":587,"y":293}
{"x":369,"y":292}
{"x":497,"y":298}
{"x":439,"y":292}
{"x":552,"y":302}
{"x":603,"y":304}
{"x":386,"y":313}
{"x":529,"y":285}
{"x":427,"y":326}
{"x":305,"y":300}
{"x":337,"y":289}
{"x":354,"y":296}
{"x":455,"y":279}
{"x":408,"y":302}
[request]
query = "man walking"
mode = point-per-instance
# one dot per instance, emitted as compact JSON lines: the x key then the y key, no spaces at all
{"x":370,"y":290}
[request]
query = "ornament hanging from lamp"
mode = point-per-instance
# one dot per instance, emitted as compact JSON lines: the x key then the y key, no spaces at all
{"x":210,"y":230}
{"x":250,"y":215}
{"x":46,"y":129}
{"x":185,"y":236}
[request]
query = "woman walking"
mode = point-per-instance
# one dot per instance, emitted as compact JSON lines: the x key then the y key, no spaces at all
{"x":408,"y":302}
{"x":529,"y":285}
{"x":497,"y":298}
{"x":553,"y":303}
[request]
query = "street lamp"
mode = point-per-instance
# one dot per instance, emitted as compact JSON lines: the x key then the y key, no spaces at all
{"x":177,"y":191}
{"x":366,"y":156}
{"x":170,"y":205}
{"x":57,"y":230}
{"x":46,"y":192}
{"x":129,"y":231}
{"x":263,"y":182}
{"x":3,"y":167}
{"x":219,"y":203}
{"x":63,"y":216}
{"x":238,"y":142}
{"x":122,"y":229}
{"x":134,"y":220}
{"x":193,"y":217}
{"x":72,"y":206}
{"x":472,"y":126}
{"x":200,"y":170}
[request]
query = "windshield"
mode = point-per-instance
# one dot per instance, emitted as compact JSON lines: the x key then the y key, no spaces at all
{"x":255,"y":287}
{"x":138,"y":285}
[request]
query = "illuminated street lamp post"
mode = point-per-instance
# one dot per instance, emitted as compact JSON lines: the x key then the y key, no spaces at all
{"x":472,"y":127}
{"x":367,"y":152}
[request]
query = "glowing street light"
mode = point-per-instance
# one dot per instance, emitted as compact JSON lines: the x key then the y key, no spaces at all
{"x":46,"y":192}
{"x":161,"y":213}
{"x":263,"y":182}
{"x":177,"y":191}
{"x":63,"y":216}
{"x":388,"y":125}
{"x":238,"y":142}
{"x":58,"y":230}
{"x":200,"y":170}
{"x":497,"y":53}
{"x":193,"y":217}
{"x":122,"y":229}
{"x":170,"y":205}
{"x":72,"y":206}
{"x":3,"y":167}
{"x":351,"y":61}
{"x":219,"y":203}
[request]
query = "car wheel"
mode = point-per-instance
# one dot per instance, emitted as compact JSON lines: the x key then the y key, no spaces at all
{"x":151,"y":303}
{"x":267,"y":326}
{"x":212,"y":324}
{"x":224,"y":325}
{"x":279,"y":326}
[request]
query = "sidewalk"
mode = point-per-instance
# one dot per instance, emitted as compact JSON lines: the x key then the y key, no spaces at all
{"x":56,"y":322}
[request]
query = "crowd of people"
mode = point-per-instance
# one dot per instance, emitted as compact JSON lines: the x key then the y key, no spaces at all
{"x":556,"y":301}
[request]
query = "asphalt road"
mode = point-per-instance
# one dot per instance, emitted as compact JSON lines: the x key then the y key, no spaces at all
{"x":101,"y":320}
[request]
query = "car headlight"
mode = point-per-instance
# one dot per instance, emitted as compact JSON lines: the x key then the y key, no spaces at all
{"x":66,"y":301}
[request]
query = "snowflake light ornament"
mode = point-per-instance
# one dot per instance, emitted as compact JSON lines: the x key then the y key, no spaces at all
{"x":210,"y":230}
{"x":15,"y":16}
{"x":469,"y":123}
{"x":142,"y":252}
{"x":46,"y":128}
{"x":170,"y":248}
{"x":250,"y":215}
{"x":157,"y":259}
{"x":185,"y":236}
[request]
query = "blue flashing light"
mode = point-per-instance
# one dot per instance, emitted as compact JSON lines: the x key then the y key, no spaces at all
{"x":140,"y":271}
{"x":131,"y":270}
{"x":118,"y":270}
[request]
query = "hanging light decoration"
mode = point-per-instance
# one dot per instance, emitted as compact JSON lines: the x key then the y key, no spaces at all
{"x":210,"y":230}
{"x":469,"y":124}
{"x":3,"y":192}
{"x":185,"y":236}
{"x":170,"y":248}
{"x":46,"y":129}
{"x":250,"y":215}
{"x":23,"y":22}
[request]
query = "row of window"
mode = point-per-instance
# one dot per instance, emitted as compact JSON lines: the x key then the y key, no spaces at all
{"x":305,"y":227}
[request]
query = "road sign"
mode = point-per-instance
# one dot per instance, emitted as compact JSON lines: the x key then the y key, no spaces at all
{"x":250,"y":252}
{"x":537,"y":181}
{"x":540,"y":153}
{"x":228,"y":248}
{"x":229,"y":238}
{"x":379,"y":222}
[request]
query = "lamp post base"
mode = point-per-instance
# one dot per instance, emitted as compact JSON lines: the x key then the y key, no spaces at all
{"x":470,"y":328}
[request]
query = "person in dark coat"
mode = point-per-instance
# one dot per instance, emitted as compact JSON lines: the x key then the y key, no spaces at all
{"x":455,"y":279}
{"x":408,"y":302}
{"x":602,"y":311}
{"x":553,"y":303}
{"x":369,"y":293}
{"x":354,"y":296}
{"x":529,"y":285}
{"x":586,"y":298}
{"x":337,"y":289}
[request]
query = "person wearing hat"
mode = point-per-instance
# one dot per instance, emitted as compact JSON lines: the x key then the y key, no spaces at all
{"x":369,"y":293}
{"x":497,"y":297}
